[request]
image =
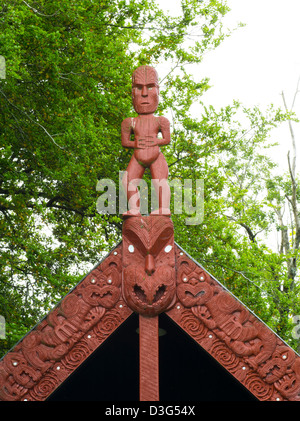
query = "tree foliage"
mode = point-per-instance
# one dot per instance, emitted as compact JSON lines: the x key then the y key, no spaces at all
{"x":67,"y":89}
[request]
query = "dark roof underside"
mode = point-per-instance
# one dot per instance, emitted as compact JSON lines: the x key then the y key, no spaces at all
{"x":187,"y":372}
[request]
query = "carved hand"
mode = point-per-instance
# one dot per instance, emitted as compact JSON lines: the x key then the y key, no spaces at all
{"x":146,"y":142}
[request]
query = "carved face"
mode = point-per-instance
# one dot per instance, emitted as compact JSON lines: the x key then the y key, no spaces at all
{"x":149,"y":261}
{"x":193,"y":288}
{"x":102,"y":287}
{"x":21,"y":376}
{"x":288,"y":385}
{"x":275,"y":368}
{"x":145,"y":90}
{"x":148,"y":295}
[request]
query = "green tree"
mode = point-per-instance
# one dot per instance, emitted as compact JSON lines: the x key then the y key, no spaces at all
{"x":231,"y":158}
{"x":66,"y":92}
{"x":67,"y":89}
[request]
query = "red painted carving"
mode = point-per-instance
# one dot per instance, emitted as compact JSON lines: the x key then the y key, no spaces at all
{"x":214,"y":318}
{"x":146,"y":144}
{"x":149,"y":361}
{"x":234,"y":336}
{"x":67,"y":336}
{"x":149,"y":274}
{"x":148,"y":264}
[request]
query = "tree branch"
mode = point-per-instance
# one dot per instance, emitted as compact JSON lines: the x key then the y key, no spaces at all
{"x":33,"y":121}
{"x":295,"y":96}
{"x":250,"y":233}
{"x":292,"y":136}
{"x":39,"y":13}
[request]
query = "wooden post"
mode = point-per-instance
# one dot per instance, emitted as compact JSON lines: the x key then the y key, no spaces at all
{"x":149,"y":358}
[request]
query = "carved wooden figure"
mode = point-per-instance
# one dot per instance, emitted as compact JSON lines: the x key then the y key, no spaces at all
{"x":146,"y":143}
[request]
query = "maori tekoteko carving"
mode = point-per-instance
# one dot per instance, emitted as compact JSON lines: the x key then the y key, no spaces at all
{"x":145,"y":129}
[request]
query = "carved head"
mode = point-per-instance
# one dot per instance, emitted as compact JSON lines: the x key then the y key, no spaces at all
{"x":145,"y":90}
{"x":149,"y":285}
{"x":17,"y":375}
{"x":193,"y":287}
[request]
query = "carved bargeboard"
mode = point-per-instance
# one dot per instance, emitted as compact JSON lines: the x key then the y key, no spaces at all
{"x":202,"y":307}
{"x":233,"y":335}
{"x":67,"y":336}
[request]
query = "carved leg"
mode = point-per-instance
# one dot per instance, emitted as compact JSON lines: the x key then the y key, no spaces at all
{"x":159,"y":173}
{"x":130,"y":181}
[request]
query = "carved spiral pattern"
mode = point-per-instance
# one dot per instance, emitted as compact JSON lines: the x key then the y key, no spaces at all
{"x":262,"y":390}
{"x":109,"y":322}
{"x":76,"y":356}
{"x":44,"y":388}
{"x":193,"y":326}
{"x":224,"y":355}
{"x":69,"y":305}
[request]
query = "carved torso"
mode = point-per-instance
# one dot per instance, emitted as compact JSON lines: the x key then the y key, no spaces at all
{"x":145,"y":127}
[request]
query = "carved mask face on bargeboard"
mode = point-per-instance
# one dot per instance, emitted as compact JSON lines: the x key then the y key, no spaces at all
{"x":148,"y":284}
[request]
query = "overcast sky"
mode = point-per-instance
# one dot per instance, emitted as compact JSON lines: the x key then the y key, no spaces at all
{"x":256,"y":64}
{"x":258,"y":61}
